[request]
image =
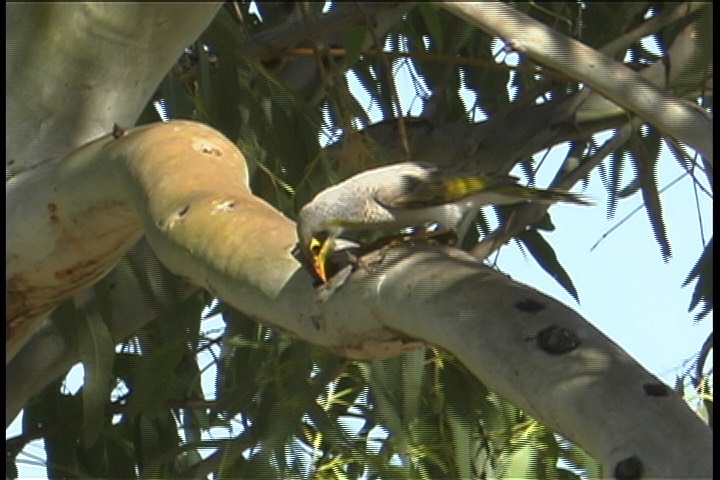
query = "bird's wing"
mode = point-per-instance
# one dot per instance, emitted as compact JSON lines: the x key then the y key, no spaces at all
{"x":417,"y":186}
{"x":429,"y":186}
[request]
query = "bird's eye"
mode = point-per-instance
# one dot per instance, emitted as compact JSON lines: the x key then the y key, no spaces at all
{"x":411,"y":183}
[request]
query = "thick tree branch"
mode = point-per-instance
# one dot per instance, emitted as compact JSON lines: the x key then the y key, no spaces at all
{"x":546,"y":359}
{"x":185,"y":180}
{"x":74,"y":69}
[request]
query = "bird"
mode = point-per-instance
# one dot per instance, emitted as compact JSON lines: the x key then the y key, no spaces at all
{"x":412,"y":199}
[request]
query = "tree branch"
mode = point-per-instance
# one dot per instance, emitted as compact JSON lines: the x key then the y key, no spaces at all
{"x":672,"y":116}
{"x":75,"y":86}
{"x":545,"y":358}
{"x":273,"y":41}
{"x":537,"y":353}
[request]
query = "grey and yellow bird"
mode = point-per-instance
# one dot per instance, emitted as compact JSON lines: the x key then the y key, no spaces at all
{"x":411,"y":196}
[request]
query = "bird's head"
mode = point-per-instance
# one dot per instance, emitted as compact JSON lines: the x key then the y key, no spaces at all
{"x":324,"y":252}
{"x":316,"y":247}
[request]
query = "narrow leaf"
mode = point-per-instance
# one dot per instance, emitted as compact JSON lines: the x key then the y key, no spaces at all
{"x":354,"y":39}
{"x":431,"y":16}
{"x":648,"y":153}
{"x":413,"y":372}
{"x":702,"y":271}
{"x":97,"y":354}
{"x":461,"y":432}
{"x":544,"y":254}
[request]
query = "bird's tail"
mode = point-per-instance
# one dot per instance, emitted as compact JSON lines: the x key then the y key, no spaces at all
{"x":519,"y":194}
{"x":505,"y":191}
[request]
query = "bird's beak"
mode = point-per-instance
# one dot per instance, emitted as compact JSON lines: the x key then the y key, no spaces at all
{"x":319,"y":253}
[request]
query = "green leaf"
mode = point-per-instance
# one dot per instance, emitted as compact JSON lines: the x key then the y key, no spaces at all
{"x":53,"y":408}
{"x":703,"y":273}
{"x":97,"y":354}
{"x":384,"y":376}
{"x":545,"y":223}
{"x":545,"y":255}
{"x":521,"y":463}
{"x":431,"y":16}
{"x":411,"y":378}
{"x":647,"y":148}
{"x":354,"y":38}
{"x":152,"y":381}
{"x":461,"y":434}
{"x":111,"y":457}
{"x":616,"y":166}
